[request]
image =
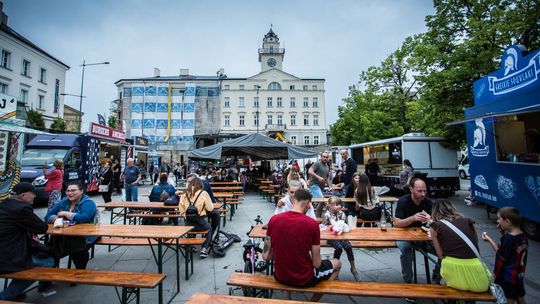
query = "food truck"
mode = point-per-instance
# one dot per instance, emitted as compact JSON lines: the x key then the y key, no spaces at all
{"x":431,"y":159}
{"x":503,"y":137}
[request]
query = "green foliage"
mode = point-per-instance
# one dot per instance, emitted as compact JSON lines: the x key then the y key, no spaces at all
{"x":112,"y":121}
{"x":428,"y":81}
{"x":58,"y":125}
{"x":35,"y":119}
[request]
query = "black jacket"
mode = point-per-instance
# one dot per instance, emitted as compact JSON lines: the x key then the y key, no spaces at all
{"x":17,"y":224}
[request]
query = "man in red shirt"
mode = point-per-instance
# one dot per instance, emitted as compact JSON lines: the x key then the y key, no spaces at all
{"x":293,"y":241}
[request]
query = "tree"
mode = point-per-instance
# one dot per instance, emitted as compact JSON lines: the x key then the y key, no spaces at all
{"x":112,"y":121}
{"x":58,"y":125}
{"x":35,"y":119}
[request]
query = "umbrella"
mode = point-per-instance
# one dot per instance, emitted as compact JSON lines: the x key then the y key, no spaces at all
{"x":256,"y":145}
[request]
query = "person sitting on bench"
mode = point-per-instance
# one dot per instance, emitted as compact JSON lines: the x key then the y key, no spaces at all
{"x":285,"y":204}
{"x":293,"y":241}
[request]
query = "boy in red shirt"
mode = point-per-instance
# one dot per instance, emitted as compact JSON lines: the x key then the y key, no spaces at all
{"x":293,"y":241}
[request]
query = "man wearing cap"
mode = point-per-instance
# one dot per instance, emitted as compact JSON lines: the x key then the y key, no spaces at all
{"x":18,"y":229}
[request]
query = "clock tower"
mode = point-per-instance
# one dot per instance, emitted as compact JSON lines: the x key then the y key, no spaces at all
{"x":270,"y":55}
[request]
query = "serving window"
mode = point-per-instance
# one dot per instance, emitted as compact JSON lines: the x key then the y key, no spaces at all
{"x":517,"y":138}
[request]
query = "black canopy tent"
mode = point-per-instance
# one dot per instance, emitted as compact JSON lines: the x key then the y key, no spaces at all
{"x":257,"y":146}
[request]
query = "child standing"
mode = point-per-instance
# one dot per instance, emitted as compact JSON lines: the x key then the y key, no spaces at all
{"x":511,"y":257}
{"x":330,"y":217}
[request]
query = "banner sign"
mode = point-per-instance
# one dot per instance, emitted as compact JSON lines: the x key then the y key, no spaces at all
{"x":103,"y":131}
{"x":141,"y":141}
{"x":517,"y":73}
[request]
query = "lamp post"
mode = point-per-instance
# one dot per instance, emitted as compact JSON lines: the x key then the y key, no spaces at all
{"x":258,"y":101}
{"x":84,"y":64}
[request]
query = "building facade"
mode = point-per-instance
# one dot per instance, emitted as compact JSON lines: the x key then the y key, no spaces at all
{"x":30,"y":74}
{"x":275,"y":102}
{"x":172,"y":112}
{"x":72,"y":118}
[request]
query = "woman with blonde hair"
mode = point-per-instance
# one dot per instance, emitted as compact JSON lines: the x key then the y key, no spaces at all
{"x":54,"y":182}
{"x":195,"y":205}
{"x":460,"y":267}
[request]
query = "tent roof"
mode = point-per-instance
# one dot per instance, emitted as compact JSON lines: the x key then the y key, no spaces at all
{"x":256,"y":145}
{"x":10,"y":127}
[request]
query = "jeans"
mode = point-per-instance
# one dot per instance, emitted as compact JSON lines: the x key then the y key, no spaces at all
{"x":315,"y":190}
{"x":18,"y":287}
{"x":406,"y":259}
{"x":200,"y":224}
{"x":132,"y":193}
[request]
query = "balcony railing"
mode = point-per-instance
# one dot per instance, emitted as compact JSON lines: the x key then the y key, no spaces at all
{"x":271,"y":51}
{"x":275,"y":127}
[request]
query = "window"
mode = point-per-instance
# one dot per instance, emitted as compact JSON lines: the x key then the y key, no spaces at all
{"x":274,"y":86}
{"x":256,"y":102}
{"x":24,"y":96}
{"x":305,"y":87}
{"x":306,"y":120}
{"x":256,"y":119}
{"x":25,"y":68}
{"x":269,"y":102}
{"x":293,"y":120}
{"x":293,"y":102}
{"x":293,"y":139}
{"x":6,"y":59}
{"x":280,"y":119}
{"x":43,"y":75}
{"x":314,"y":87}
{"x":226,"y":87}
{"x":315,"y":120}
{"x":279,"y":102}
{"x":3,"y":88}
{"x":516,"y":139}
{"x":241,"y":102}
{"x":306,"y":139}
{"x":242,"y":120}
{"x":315,"y":102}
{"x":306,"y":102}
{"x":256,"y":87}
{"x":241,"y":87}
{"x":269,"y":119}
{"x":41,"y":102}
{"x":226,"y":102}
{"x":291,"y":87}
{"x":315,"y":139}
{"x":227,"y":120}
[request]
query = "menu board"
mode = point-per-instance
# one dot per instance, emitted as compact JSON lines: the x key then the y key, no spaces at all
{"x":4,"y":141}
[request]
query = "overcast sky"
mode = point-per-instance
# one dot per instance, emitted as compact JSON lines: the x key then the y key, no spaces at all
{"x":334,"y":40}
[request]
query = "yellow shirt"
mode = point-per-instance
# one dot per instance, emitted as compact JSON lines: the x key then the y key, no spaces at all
{"x":203,"y":203}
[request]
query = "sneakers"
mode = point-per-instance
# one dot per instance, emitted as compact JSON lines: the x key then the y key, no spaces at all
{"x":204,"y":254}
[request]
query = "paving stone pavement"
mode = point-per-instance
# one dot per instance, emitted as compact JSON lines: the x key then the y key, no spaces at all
{"x":211,"y":273}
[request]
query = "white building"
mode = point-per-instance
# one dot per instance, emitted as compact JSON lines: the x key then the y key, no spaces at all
{"x":274,"y":102}
{"x":29,"y":73}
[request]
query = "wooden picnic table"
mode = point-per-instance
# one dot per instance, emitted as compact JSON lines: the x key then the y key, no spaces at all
{"x":158,"y":233}
{"x":364,"y":234}
{"x":224,"y":183}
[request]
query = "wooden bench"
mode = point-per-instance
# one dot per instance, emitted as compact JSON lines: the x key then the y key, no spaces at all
{"x":185,"y":246}
{"x":362,"y":289}
{"x":132,"y":217}
{"x":203,"y":298}
{"x":131,"y":282}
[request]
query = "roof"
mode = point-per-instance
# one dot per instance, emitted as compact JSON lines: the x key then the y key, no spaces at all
{"x":172,"y":78}
{"x":72,"y":110}
{"x":406,"y":137}
{"x":270,"y":34}
{"x":22,"y":39}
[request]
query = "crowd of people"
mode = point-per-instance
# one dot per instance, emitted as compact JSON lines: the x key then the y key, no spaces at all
{"x":293,"y":233}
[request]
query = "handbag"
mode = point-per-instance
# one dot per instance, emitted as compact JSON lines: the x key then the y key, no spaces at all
{"x":495,"y":289}
{"x":103,"y":188}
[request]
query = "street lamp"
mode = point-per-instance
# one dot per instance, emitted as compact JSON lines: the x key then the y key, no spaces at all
{"x":84,"y":64}
{"x":258,"y":101}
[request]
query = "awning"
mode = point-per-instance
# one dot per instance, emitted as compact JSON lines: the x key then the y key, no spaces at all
{"x":8,"y":127}
{"x":524,"y":110}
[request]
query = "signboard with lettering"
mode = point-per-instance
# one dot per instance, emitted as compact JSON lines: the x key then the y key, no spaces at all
{"x":141,"y":141}
{"x":103,"y":131}
{"x":8,"y":106}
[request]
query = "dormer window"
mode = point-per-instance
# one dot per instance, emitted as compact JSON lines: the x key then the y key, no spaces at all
{"x":274,"y":86}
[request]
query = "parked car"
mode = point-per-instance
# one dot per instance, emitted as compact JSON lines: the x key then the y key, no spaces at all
{"x":463,"y":168}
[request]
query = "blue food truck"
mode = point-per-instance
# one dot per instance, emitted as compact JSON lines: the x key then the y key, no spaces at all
{"x":503,"y":137}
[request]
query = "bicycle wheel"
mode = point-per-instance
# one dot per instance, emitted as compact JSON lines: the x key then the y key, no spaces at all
{"x":247,"y":269}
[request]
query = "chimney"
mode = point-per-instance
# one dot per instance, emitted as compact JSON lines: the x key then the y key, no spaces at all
{"x":4,"y":17}
{"x":157,"y":72}
{"x":184,"y":72}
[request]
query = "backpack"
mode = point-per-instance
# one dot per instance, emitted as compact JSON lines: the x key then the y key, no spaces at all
{"x":164,"y":194}
{"x":192,"y":213}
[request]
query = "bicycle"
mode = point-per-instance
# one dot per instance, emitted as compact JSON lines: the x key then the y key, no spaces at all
{"x":252,"y":263}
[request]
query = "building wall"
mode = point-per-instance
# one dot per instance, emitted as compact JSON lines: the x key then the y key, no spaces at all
{"x":50,"y":89}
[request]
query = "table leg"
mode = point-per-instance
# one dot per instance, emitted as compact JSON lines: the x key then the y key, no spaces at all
{"x":160,"y":270}
{"x":177,"y":266}
{"x":125,"y":215}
